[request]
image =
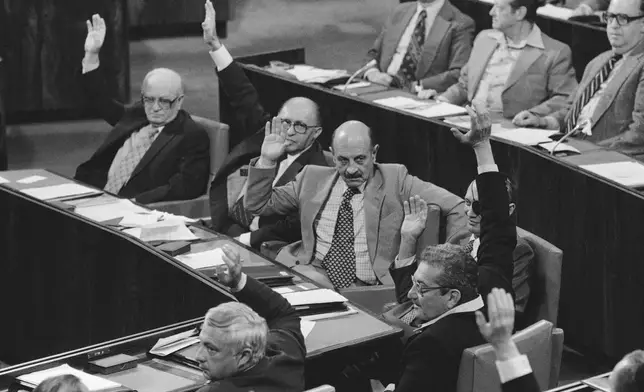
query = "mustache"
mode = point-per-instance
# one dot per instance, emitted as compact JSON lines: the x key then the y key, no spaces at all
{"x":354,"y":176}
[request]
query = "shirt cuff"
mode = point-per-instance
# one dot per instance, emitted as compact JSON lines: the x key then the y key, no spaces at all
{"x":390,"y":388}
{"x":368,"y":72}
{"x":488,"y":168}
{"x":259,"y":165}
{"x":244,"y":239}
{"x":221,"y":57}
{"x":398,"y":263}
{"x":242,"y":283}
{"x":513,"y":368}
{"x":89,"y":66}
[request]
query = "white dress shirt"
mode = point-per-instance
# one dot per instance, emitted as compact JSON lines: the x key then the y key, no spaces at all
{"x":130,"y":144}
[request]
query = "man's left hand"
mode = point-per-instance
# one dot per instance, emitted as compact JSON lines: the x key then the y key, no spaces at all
{"x":209,"y":27}
{"x":526,"y":119}
{"x":415,"y":218}
{"x":480,"y":126}
{"x":231,"y":273}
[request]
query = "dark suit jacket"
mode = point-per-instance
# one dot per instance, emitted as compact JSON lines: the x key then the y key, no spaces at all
{"x":446,"y":49}
{"x":526,"y":383}
{"x":250,"y":113}
{"x":175,"y":167}
{"x":282,"y":369}
{"x":431,"y":357}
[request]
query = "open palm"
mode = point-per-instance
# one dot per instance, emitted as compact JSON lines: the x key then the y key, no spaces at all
{"x":209,"y":25}
{"x":274,"y":140}
{"x":95,"y":34}
{"x":415,"y":217}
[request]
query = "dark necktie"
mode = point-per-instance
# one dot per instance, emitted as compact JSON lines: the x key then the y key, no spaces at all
{"x":240,"y":215}
{"x":469,"y":247}
{"x":407,"y":72}
{"x":589,"y":91}
{"x":340,"y":260}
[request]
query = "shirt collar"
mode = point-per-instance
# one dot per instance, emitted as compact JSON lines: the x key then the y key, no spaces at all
{"x":470,"y":306}
{"x":361,"y":188}
{"x":534,"y":39}
{"x":291,"y":158}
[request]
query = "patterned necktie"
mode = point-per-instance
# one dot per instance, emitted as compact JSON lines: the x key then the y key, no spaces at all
{"x":409,"y":317}
{"x":407,"y":72}
{"x":589,"y":91}
{"x":469,"y":247}
{"x":340,"y":260}
{"x":140,"y":143}
{"x":240,"y":215}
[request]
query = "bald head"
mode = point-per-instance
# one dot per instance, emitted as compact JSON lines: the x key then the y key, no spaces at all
{"x":304,"y":115}
{"x":162,"y":92}
{"x":354,"y":152}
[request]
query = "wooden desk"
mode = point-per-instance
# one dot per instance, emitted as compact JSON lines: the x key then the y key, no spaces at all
{"x":595,"y":221}
{"x":87,"y":283}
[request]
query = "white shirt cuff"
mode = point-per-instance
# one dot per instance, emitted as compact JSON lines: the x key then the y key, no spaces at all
{"x":244,"y":239}
{"x":89,"y":66}
{"x":488,"y":168}
{"x":241,"y":284}
{"x":221,"y":57}
{"x":513,"y":368}
{"x":390,"y":388}
{"x":368,"y":72}
{"x":404,"y":262}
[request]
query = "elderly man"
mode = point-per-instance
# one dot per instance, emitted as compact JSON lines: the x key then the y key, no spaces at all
{"x":423,"y":43}
{"x":515,"y":69}
{"x":608,"y":108}
{"x":514,"y":369}
{"x":350,"y":214}
{"x":301,"y":121}
{"x":255,"y":344}
{"x":155,"y":152}
{"x":62,"y":383}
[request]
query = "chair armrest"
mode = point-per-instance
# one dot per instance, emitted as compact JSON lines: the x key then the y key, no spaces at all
{"x":557,"y":351}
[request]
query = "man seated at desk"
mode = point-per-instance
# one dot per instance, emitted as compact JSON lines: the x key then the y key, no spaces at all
{"x":351,"y":214}
{"x":608,"y":107}
{"x":254,"y":344}
{"x":515,"y":69}
{"x":514,"y":369}
{"x":301,"y":121}
{"x":155,"y":152}
{"x":438,"y":318}
{"x":425,"y":42}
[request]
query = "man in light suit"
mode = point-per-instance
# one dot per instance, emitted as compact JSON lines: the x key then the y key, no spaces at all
{"x":425,"y":42}
{"x":514,"y":69}
{"x":351,"y":214}
{"x":608,"y":107}
{"x":514,"y":369}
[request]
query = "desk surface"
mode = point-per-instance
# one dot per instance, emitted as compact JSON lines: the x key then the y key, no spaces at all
{"x":595,"y":221}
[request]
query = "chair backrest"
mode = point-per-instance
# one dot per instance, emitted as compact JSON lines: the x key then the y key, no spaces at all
{"x":545,"y":283}
{"x":329,"y":158}
{"x":478,"y":371}
{"x":431,"y":234}
{"x":218,"y":133}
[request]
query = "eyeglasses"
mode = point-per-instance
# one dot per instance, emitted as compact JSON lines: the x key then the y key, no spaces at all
{"x":474,"y":205}
{"x":622,"y":19}
{"x":164,"y":103}
{"x":298,"y":126}
{"x":423,"y":290}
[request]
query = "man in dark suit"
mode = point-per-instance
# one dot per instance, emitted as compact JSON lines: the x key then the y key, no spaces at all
{"x":425,"y":43}
{"x":252,"y":345}
{"x":443,"y":287}
{"x":514,"y":369}
{"x":155,"y":152}
{"x":301,"y":118}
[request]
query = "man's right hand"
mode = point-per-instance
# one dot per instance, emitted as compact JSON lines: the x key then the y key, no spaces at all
{"x":480,"y":126}
{"x":498,"y":329}
{"x":274,"y":143}
{"x":209,"y":27}
{"x":415,"y":218}
{"x":380,"y":78}
{"x":95,"y":34}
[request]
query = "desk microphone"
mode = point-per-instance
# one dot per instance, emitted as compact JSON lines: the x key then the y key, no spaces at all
{"x":358,"y":72}
{"x":564,"y":137}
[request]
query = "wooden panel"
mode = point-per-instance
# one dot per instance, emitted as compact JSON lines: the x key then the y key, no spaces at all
{"x":43,"y":50}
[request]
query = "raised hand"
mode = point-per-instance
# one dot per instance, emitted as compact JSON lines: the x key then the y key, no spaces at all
{"x":95,"y":34}
{"x":480,"y":126}
{"x":230,"y":274}
{"x":274,"y":141}
{"x":209,"y":27}
{"x":415,"y":218}
{"x":500,"y":309}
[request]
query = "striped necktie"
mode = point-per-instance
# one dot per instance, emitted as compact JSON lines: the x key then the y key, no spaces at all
{"x":407,"y":72}
{"x":589,"y":91}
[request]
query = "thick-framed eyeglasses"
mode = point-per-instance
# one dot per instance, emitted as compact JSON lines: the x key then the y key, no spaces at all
{"x":298,"y":126}
{"x":474,"y":205}
{"x":622,"y":19}
{"x":164,"y":103}
{"x":423,"y":289}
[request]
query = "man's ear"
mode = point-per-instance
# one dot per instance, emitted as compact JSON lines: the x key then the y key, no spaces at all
{"x":454,"y":298}
{"x":244,"y":359}
{"x":374,"y":151}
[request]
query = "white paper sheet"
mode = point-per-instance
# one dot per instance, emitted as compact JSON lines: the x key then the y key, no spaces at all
{"x":206,"y":259}
{"x":31,"y":179}
{"x":310,"y":297}
{"x":555,"y":12}
{"x":628,"y":173}
{"x":174,"y":343}
{"x":283,"y":290}
{"x":162,"y":231}
{"x":103,"y":212}
{"x":306,"y":326}
{"x":428,"y":109}
{"x":139,"y":219}
{"x":562,"y":147}
{"x":310,"y":74}
{"x":3,"y":180}
{"x":526,"y":136}
{"x":59,"y":191}
{"x":93,"y":383}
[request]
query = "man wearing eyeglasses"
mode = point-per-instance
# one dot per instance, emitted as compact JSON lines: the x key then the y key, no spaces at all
{"x":608,"y":107}
{"x":299,"y":117}
{"x":155,"y":152}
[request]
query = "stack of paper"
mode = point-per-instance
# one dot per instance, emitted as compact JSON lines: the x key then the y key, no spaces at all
{"x":309,"y":74}
{"x":428,"y":109}
{"x":93,"y":383}
{"x":174,"y":343}
{"x":162,"y":231}
{"x":206,"y":259}
{"x":555,"y":12}
{"x":561,"y":147}
{"x":628,"y":173}
{"x":117,"y":208}
{"x":59,"y":191}
{"x":312,"y":297}
{"x":527,"y":136}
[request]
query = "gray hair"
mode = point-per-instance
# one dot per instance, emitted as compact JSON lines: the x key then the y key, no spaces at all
{"x":631,"y":377}
{"x":240,"y":327}
{"x":460,"y":270}
{"x":54,"y":384}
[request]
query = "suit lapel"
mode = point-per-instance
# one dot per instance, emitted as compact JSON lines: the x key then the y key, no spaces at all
{"x":319,"y":200}
{"x":478,"y":61}
{"x":437,"y":33}
{"x":373,"y":199}
{"x":397,"y":31}
{"x":121,"y":131}
{"x":528,"y":56}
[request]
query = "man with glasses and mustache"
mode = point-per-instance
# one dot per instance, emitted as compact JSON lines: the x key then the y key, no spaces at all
{"x":608,"y":107}
{"x":300,"y":120}
{"x":155,"y":152}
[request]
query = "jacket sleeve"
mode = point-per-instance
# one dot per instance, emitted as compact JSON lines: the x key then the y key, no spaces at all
{"x":429,"y":365}
{"x":562,"y":83}
{"x":95,"y":88}
{"x":498,"y":234}
{"x":262,"y":199}
{"x":287,"y":229}
{"x":402,"y":280}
